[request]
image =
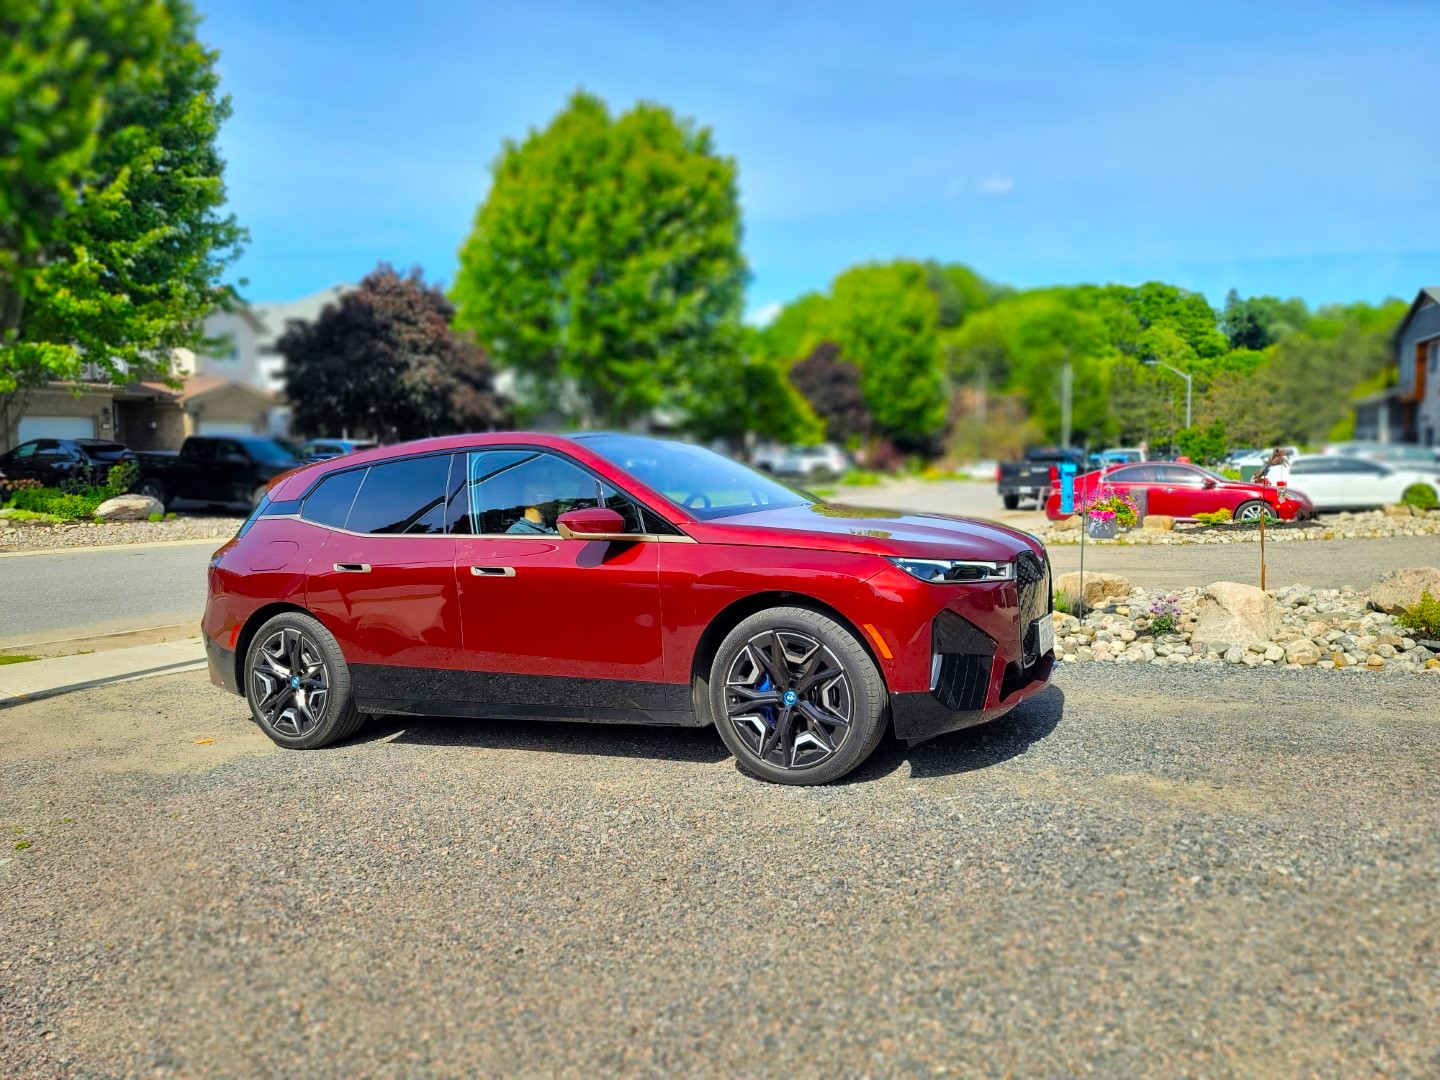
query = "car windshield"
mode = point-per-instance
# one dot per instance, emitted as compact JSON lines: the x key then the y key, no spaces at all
{"x":700,"y":481}
{"x":272,"y":451}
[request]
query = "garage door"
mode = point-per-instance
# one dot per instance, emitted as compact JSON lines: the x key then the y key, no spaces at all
{"x":224,"y":427}
{"x":57,"y":427}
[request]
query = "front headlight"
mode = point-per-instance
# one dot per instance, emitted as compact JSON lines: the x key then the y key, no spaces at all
{"x":947,"y":570}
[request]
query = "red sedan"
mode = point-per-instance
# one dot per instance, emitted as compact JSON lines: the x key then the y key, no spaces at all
{"x":619,"y":579}
{"x":1182,"y":491}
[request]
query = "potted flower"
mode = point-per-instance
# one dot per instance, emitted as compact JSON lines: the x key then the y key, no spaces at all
{"x":1109,"y":512}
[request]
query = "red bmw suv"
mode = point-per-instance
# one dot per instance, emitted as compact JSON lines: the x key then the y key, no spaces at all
{"x":619,"y":579}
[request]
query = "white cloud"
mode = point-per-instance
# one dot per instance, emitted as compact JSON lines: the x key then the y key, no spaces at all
{"x":997,"y":185}
{"x":763,"y":316}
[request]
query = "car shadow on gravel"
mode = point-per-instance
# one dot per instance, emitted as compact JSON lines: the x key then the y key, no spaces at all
{"x":700,"y":745}
{"x":971,"y":749}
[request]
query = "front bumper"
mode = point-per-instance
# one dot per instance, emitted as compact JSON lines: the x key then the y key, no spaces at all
{"x":221,"y":662}
{"x":983,"y":666}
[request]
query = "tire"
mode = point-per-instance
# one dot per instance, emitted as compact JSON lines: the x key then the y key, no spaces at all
{"x":271,"y":661}
{"x":155,"y":490}
{"x":758,"y":738}
{"x":1012,"y":502}
{"x":1251,"y":510}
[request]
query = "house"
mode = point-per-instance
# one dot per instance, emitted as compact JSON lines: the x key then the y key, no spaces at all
{"x":234,"y":386}
{"x":1409,"y":411}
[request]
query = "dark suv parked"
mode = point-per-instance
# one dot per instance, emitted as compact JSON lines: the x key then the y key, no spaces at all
{"x":53,"y":461}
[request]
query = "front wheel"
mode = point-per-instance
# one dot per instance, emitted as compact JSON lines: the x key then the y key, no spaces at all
{"x":298,"y":685}
{"x":796,"y":697}
{"x":1253,"y":511}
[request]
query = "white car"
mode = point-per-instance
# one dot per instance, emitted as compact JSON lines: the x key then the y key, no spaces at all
{"x":824,"y":462}
{"x":1336,"y":482}
{"x":1397,"y":455}
{"x":1257,"y":458}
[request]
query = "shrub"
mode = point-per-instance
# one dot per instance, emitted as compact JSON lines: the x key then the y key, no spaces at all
{"x":68,"y":506}
{"x":1062,"y":603}
{"x":1420,"y":496}
{"x":861,"y":478}
{"x":121,"y":478}
{"x":1164,"y":615}
{"x":1218,"y":517}
{"x":1423,"y":617}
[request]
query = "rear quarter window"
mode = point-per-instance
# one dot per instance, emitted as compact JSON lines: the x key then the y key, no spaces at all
{"x":330,"y":500}
{"x":405,"y":496}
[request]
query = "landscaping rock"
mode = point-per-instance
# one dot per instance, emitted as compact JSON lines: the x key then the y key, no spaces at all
{"x":1400,"y":589}
{"x":129,"y":508}
{"x":1230,"y":611}
{"x":1159,"y":523}
{"x":1098,"y":587}
{"x":1397,"y":511}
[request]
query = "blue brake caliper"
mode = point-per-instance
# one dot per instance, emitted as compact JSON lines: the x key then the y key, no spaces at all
{"x":767,"y":710}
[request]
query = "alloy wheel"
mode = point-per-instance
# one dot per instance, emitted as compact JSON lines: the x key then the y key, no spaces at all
{"x":1250,"y":512}
{"x":289,"y":683}
{"x":789,"y":699}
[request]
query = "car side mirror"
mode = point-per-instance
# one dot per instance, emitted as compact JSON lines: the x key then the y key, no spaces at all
{"x":1208,"y":482}
{"x":596,"y":523}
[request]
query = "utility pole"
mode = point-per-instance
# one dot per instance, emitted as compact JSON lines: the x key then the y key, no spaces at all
{"x":1151,"y":361}
{"x":1067,"y":392}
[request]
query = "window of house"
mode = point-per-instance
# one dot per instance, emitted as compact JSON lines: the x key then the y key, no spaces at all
{"x":1432,"y":352}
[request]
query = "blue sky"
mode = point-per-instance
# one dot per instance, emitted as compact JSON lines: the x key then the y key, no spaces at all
{"x":1274,"y":147}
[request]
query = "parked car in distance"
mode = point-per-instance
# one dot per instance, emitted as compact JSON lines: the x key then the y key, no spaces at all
{"x":815,"y":463}
{"x":1182,"y":491}
{"x":53,"y":461}
{"x":1029,"y":479}
{"x":1257,"y":458}
{"x":1335,"y":482}
{"x":1400,"y":455}
{"x":624,"y":579}
{"x":1122,"y":455}
{"x":216,"y":469}
{"x":325,"y":449}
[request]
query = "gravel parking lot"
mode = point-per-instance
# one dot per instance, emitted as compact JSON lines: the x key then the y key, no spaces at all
{"x":1094,"y":883}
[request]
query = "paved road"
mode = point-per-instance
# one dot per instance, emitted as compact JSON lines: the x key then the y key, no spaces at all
{"x":1243,"y":883}
{"x":101,"y":591}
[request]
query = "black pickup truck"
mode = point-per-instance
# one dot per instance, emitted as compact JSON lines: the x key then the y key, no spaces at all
{"x":1031,"y":478}
{"x":215,"y":469}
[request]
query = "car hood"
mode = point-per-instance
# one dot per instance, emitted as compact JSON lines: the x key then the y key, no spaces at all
{"x":827,"y":527}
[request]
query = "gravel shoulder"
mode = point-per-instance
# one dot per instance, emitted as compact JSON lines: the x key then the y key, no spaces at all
{"x":1094,"y":883}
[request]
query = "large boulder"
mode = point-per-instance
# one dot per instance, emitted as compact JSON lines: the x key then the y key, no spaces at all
{"x":1401,"y":589}
{"x":1098,"y":587}
{"x":1230,"y":611}
{"x":1159,"y":523}
{"x":129,"y":508}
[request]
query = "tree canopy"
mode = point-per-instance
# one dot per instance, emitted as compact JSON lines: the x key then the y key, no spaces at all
{"x":112,"y":232}
{"x":604,"y":265}
{"x":384,"y":360}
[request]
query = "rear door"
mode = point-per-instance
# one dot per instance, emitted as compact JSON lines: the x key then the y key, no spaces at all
{"x":1180,"y":492}
{"x":551,"y":626}
{"x":384,"y":580}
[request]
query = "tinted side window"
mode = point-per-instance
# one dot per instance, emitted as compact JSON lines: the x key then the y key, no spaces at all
{"x":1133,"y":474}
{"x":1306,"y":468}
{"x":523,"y":492}
{"x":638,"y":519}
{"x":1175,"y":474}
{"x":405,"y":496}
{"x":329,"y":503}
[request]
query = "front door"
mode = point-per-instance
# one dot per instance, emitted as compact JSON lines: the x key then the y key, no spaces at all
{"x":550,"y":626}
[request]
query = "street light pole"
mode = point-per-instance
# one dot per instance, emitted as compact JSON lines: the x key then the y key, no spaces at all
{"x":1151,"y":361}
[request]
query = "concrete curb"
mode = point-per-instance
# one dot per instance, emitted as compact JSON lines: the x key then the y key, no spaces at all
{"x":38,"y":679}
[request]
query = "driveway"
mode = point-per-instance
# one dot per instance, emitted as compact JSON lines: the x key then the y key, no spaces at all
{"x":1239,"y":881}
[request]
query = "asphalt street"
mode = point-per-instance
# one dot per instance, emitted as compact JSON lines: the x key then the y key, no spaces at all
{"x":83,"y":592}
{"x":1103,"y":883}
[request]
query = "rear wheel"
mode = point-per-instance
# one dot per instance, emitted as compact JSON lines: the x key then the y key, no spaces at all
{"x":796,"y":697}
{"x":298,"y":685}
{"x":1012,"y":502}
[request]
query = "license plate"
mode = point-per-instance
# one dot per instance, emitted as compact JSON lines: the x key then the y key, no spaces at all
{"x":1044,"y":635}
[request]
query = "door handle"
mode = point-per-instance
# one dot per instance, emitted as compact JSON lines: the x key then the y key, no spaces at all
{"x":492,"y":571}
{"x":352,"y":567}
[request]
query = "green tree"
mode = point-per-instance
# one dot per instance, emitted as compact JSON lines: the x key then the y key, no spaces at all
{"x":604,"y":266}
{"x":1202,"y":444}
{"x":798,"y":328}
{"x":384,"y":359}
{"x":1258,"y":321}
{"x":112,"y":235}
{"x":884,"y":317}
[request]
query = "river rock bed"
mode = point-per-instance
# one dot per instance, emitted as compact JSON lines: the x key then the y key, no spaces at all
{"x":1370,"y":524}
{"x":43,"y":535}
{"x":1331,"y":629}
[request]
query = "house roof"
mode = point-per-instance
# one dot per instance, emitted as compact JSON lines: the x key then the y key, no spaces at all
{"x":198,"y":386}
{"x":1430,"y":294}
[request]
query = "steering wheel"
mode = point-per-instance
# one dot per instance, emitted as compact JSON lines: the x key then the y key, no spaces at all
{"x":697,"y":500}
